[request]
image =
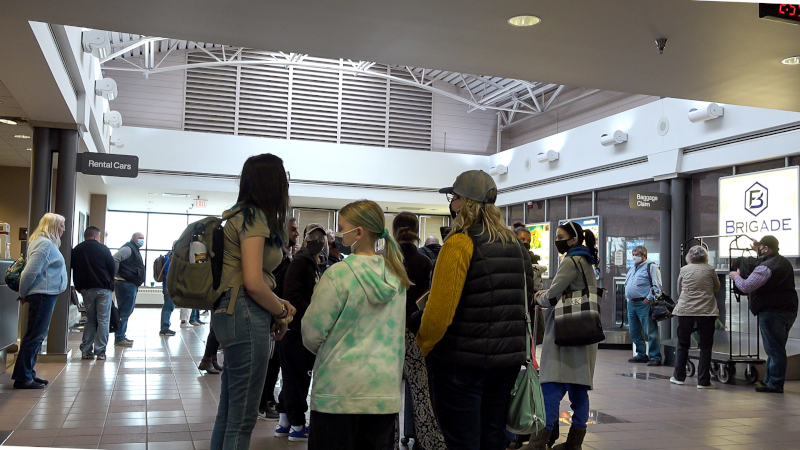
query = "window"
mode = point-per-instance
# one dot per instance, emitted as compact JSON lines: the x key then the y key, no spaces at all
{"x":580,"y":205}
{"x":120,"y":226}
{"x":164,"y":229}
{"x":516,"y":213}
{"x":556,"y":209}
{"x":705,"y":208}
{"x":759,"y":166}
{"x":535,"y":212}
{"x":431,"y":226}
{"x":323,"y":217}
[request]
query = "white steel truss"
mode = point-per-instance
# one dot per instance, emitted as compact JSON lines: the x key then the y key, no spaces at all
{"x":513,"y":100}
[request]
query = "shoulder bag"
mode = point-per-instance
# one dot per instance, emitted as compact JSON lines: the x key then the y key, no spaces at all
{"x":577,"y":316}
{"x":662,"y":305}
{"x":526,"y":413}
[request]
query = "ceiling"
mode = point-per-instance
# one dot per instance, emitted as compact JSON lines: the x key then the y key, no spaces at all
{"x":13,"y":151}
{"x":716,"y":51}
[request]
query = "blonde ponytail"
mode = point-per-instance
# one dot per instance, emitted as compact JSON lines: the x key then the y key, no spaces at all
{"x":369,"y":216}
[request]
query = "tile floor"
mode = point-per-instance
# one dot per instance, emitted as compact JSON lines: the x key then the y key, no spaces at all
{"x":153,"y":397}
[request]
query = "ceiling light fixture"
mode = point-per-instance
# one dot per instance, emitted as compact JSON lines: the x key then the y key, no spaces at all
{"x":524,"y":21}
{"x":500,"y":169}
{"x":710,"y":112}
{"x":22,"y":136}
{"x":8,"y":121}
{"x":29,"y":149}
{"x":548,"y":156}
{"x":617,"y":137}
{"x":793,"y":61}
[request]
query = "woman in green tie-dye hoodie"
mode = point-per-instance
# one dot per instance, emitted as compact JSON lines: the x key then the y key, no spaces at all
{"x":355,"y":325}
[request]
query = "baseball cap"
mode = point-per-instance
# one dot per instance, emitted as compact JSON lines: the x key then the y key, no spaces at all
{"x":475,"y":185}
{"x":314,"y":226}
{"x":769,"y":241}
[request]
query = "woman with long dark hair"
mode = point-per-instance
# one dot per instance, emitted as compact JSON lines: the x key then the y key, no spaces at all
{"x":244,"y":316}
{"x":567,"y":369}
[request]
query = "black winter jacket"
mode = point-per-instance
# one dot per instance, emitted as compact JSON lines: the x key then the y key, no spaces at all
{"x":298,"y":286}
{"x":92,"y":266}
{"x":778,"y":294}
{"x":418,"y":268}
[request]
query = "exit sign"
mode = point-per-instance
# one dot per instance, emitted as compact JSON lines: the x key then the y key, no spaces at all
{"x":200,"y":203}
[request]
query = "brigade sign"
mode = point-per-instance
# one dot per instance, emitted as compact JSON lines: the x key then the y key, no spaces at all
{"x":108,"y":164}
{"x":758,"y":204}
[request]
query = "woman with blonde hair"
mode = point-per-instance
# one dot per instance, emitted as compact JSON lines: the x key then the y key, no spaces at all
{"x":473,"y":329}
{"x":44,"y":277}
{"x":355,"y":327}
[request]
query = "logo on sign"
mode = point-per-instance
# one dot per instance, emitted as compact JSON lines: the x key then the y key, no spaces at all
{"x":756,"y":199}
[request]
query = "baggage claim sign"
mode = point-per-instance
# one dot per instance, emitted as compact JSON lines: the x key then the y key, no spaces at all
{"x":758,"y":204}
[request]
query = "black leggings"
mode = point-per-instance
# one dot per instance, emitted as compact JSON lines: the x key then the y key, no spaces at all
{"x":212,"y":345}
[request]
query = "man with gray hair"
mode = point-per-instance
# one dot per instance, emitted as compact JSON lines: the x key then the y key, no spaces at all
{"x":130,"y":274}
{"x":431,"y":248}
{"x":641,"y":284}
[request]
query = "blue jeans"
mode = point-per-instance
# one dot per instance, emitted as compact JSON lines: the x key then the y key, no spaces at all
{"x":98,"y":315}
{"x":639,"y":321}
{"x":578,"y":397}
{"x":195,"y":316}
{"x":471,"y":403}
{"x":40,"y":311}
{"x":126,"y":301}
{"x":775,"y":328}
{"x":244,"y":337}
{"x":166,"y":310}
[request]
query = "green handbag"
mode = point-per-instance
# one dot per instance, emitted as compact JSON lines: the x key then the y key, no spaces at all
{"x":526,"y":414}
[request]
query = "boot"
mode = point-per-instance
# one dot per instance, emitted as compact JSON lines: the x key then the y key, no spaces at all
{"x":215,"y":363}
{"x":207,"y":365}
{"x":539,"y":441}
{"x":574,"y":439}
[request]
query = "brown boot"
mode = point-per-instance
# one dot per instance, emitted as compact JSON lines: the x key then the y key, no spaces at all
{"x":215,"y":363}
{"x":574,"y":440}
{"x":208,"y":366}
{"x":538,"y":441}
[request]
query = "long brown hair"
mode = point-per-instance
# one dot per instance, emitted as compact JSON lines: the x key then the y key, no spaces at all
{"x":486,"y":214}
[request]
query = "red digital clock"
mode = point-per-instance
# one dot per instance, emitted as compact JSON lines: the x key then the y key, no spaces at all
{"x":782,"y":12}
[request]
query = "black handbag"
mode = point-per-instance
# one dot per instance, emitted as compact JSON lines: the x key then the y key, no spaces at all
{"x":662,"y":305}
{"x":114,"y":320}
{"x":577,"y":316}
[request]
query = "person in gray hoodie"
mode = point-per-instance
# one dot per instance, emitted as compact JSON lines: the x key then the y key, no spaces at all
{"x":44,"y":277}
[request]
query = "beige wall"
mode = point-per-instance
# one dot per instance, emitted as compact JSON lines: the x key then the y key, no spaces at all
{"x":15,"y":182}
{"x":97,"y":214}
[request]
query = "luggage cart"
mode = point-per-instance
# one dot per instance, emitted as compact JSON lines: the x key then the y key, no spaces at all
{"x":723,"y":366}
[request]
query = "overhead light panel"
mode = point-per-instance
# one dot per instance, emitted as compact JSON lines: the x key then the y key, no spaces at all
{"x":22,"y":136}
{"x":524,"y":21}
{"x":96,"y":42}
{"x":8,"y":121}
{"x":113,"y":119}
{"x":106,"y":88}
{"x":710,"y":112}
{"x":500,"y":169}
{"x":548,"y":156}
{"x":793,"y":61}
{"x":617,"y":137}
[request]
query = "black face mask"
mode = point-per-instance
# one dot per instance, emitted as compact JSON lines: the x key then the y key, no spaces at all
{"x":314,"y":247}
{"x":343,"y":249}
{"x":563,"y":246}
{"x":527,"y":245}
{"x":453,"y":214}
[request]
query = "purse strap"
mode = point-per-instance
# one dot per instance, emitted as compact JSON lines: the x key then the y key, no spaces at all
{"x":528,"y":357}
{"x":580,"y":269}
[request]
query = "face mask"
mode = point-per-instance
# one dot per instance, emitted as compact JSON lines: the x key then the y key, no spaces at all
{"x":339,"y":242}
{"x":140,"y":243}
{"x":314,"y":247}
{"x":562,"y":246}
{"x":527,"y":245}
{"x":453,"y":214}
{"x":637,"y":259}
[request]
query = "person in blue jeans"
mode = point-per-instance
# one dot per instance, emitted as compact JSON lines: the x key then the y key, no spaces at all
{"x":93,"y":274}
{"x":169,"y":306}
{"x":130,"y":275}
{"x":642,"y":281}
{"x":774,"y":300}
{"x":44,"y":277}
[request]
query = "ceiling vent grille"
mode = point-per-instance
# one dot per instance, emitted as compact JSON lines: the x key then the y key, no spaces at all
{"x":305,"y":103}
{"x":580,"y":174}
{"x":744,"y":138}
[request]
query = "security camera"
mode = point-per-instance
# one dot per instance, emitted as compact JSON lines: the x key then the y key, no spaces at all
{"x":499,"y":169}
{"x":710,"y":112}
{"x":96,"y":42}
{"x":617,"y":137}
{"x":548,"y":156}
{"x":113,"y":119}
{"x":106,"y":88}
{"x":116,"y":141}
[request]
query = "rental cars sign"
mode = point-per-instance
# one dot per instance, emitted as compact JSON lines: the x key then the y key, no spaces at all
{"x":758,"y":204}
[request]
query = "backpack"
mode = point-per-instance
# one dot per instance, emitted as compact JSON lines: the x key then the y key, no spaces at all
{"x":14,"y":273}
{"x":198,"y":285}
{"x":160,"y":266}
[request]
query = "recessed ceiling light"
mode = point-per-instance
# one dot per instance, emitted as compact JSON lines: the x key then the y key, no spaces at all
{"x":793,"y":61}
{"x":151,"y":193}
{"x":22,"y":136}
{"x":524,"y":21}
{"x":8,"y":121}
{"x":29,"y":149}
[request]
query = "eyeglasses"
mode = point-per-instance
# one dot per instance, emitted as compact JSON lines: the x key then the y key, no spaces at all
{"x":451,"y":197}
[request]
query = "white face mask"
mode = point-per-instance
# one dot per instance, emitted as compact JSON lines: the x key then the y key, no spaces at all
{"x":637,"y":259}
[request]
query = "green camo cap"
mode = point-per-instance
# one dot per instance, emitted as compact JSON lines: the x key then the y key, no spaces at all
{"x":475,"y":185}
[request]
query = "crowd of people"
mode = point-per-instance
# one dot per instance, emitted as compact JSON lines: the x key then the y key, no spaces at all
{"x":449,"y":318}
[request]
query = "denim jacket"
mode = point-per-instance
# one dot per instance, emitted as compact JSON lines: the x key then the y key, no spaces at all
{"x":44,"y":271}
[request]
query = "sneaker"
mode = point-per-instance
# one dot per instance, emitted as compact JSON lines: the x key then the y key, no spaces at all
{"x":123,"y":343}
{"x":200,"y":322}
{"x":166,"y":333}
{"x":30,"y":384}
{"x":653,"y":363}
{"x":710,"y":386}
{"x":194,"y":323}
{"x":268,"y":414}
{"x":101,"y":357}
{"x":637,"y":359}
{"x":768,"y":389}
{"x":129,"y":340}
{"x":41,"y":381}
{"x":283,"y":431}
{"x":88,"y":356}
{"x":674,"y":380}
{"x":299,"y":435}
